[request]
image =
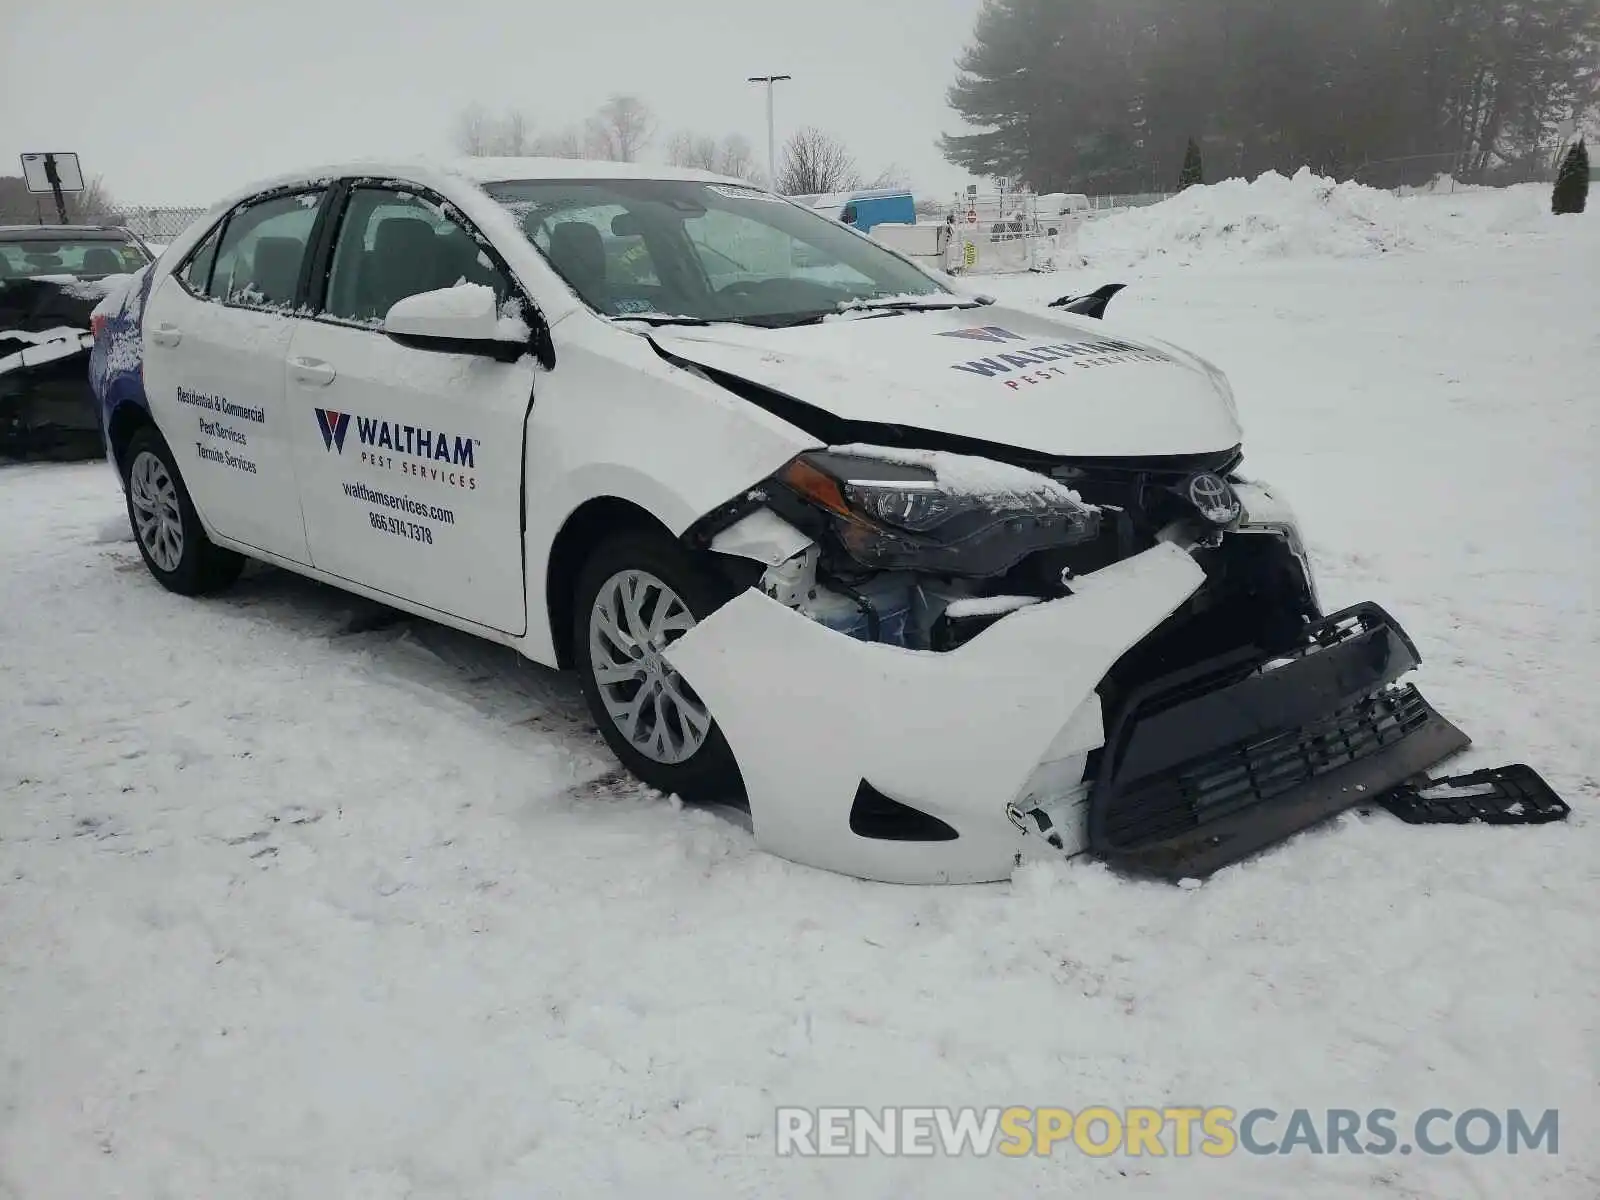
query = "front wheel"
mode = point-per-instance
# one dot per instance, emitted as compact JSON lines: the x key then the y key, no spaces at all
{"x":171,"y":539}
{"x":637,"y":594}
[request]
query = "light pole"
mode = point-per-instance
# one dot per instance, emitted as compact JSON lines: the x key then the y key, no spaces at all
{"x":772,"y":128}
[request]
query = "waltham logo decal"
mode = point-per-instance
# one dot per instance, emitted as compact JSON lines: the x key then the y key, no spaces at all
{"x":442,"y":458}
{"x":1043,"y":363}
{"x":984,"y":333}
{"x":334,"y":426}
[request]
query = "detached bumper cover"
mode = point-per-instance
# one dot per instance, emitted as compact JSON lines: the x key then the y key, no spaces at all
{"x":1207,"y":766}
{"x":898,"y":765}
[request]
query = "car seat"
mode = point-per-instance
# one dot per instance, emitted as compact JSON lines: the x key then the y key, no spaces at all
{"x":101,"y":261}
{"x":579,"y":254}
{"x":276,"y":269}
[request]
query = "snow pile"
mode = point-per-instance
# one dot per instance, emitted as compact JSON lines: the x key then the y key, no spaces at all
{"x":1306,"y":216}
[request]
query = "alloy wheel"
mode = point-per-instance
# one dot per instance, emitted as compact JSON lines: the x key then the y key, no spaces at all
{"x":634,"y":618}
{"x":156,"y":517}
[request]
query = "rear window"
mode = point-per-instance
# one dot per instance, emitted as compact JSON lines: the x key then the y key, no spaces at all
{"x":31,"y":257}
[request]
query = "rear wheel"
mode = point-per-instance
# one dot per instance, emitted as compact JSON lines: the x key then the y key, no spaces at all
{"x":638,"y":593}
{"x":166,"y":527}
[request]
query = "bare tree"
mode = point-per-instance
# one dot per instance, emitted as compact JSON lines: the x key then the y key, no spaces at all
{"x":622,"y":128}
{"x":474,"y":131}
{"x":814,"y":162}
{"x":566,"y":143}
{"x":516,"y":134}
{"x":891,"y":176}
{"x":18,"y":206}
{"x":481,"y":134}
{"x":694,"y":150}
{"x":738,"y":159}
{"x":733,"y":155}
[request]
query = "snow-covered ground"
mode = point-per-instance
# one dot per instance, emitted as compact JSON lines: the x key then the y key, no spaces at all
{"x":294,"y":906}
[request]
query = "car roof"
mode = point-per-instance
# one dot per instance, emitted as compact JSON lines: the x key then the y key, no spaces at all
{"x":18,"y":233}
{"x":479,"y":171}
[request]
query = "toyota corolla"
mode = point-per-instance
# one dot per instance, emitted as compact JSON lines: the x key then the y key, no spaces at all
{"x":923,"y":580}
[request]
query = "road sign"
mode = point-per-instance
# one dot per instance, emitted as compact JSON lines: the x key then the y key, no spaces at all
{"x":972,"y":216}
{"x":37,"y":169}
{"x":54,"y":172}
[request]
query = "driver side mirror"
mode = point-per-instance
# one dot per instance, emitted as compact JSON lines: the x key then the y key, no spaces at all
{"x":464,"y":319}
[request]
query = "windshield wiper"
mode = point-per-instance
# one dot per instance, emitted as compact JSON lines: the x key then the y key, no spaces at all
{"x":662,"y":319}
{"x":867,"y":310}
{"x":922,"y":304}
{"x":863,"y":309}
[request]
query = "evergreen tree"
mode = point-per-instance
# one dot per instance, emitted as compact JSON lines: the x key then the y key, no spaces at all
{"x":1075,"y":95}
{"x":1193,"y":172}
{"x":1572,"y":181}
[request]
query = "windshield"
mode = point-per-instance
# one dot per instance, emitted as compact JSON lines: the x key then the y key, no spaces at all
{"x":653,"y":248}
{"x":86,"y":258}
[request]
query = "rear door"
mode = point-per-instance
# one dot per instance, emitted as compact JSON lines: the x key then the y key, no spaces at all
{"x":410,"y":461}
{"x":216,"y":339}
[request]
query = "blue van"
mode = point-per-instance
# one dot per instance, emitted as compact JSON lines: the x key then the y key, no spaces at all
{"x":879,"y":206}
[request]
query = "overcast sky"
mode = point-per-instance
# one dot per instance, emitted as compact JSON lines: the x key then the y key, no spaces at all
{"x":179,"y":101}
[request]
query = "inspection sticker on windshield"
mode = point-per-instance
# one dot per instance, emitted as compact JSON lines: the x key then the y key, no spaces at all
{"x":739,"y":193}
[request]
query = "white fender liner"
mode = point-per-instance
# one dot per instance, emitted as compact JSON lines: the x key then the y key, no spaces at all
{"x":811,"y":715}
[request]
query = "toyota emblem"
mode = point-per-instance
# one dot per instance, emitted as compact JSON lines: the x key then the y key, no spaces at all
{"x":1214,"y":499}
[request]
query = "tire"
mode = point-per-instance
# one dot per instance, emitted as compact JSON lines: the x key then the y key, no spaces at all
{"x":709,"y":773}
{"x":165,"y":526}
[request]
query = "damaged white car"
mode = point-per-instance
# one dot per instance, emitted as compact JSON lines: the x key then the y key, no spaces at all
{"x":921,"y":580}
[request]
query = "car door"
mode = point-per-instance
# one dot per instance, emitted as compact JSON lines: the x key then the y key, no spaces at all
{"x":217,"y":334}
{"x":409,"y":460}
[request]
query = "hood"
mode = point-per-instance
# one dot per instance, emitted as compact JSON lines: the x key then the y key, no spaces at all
{"x":1060,"y":386}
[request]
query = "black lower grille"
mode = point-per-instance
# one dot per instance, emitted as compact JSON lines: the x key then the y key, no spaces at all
{"x":1236,"y":777}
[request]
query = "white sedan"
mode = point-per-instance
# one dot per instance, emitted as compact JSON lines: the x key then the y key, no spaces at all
{"x":922,"y":580}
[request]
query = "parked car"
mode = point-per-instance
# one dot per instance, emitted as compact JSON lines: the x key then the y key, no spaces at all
{"x":51,"y":277}
{"x":922,"y":579}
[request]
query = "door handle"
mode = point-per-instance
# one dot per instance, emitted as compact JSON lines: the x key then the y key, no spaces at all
{"x":312,"y":371}
{"x":166,"y":335}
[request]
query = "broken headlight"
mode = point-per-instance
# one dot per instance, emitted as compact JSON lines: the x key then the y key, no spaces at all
{"x":940,"y":513}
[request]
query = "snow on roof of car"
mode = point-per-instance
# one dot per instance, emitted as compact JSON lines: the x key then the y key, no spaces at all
{"x":483,"y":170}
{"x":497,"y":170}
{"x":17,"y":233}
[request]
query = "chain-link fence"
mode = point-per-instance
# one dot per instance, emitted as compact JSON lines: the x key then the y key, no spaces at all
{"x":1134,"y":200}
{"x":159,"y":225}
{"x":1442,"y":174}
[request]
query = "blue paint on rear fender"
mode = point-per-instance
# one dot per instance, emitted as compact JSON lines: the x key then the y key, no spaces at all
{"x":116,"y":360}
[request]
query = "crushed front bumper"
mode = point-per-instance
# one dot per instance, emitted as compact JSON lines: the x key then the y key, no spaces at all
{"x":1211,"y":764}
{"x":898,"y":765}
{"x":914,"y":767}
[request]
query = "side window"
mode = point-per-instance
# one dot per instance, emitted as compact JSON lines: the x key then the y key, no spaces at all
{"x":263,"y":246}
{"x":393,"y":244}
{"x":196,"y":274}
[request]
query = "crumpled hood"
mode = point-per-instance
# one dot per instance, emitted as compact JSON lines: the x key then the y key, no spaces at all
{"x":1058,"y":385}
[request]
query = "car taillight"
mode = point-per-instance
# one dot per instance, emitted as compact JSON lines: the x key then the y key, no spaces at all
{"x":97,"y":324}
